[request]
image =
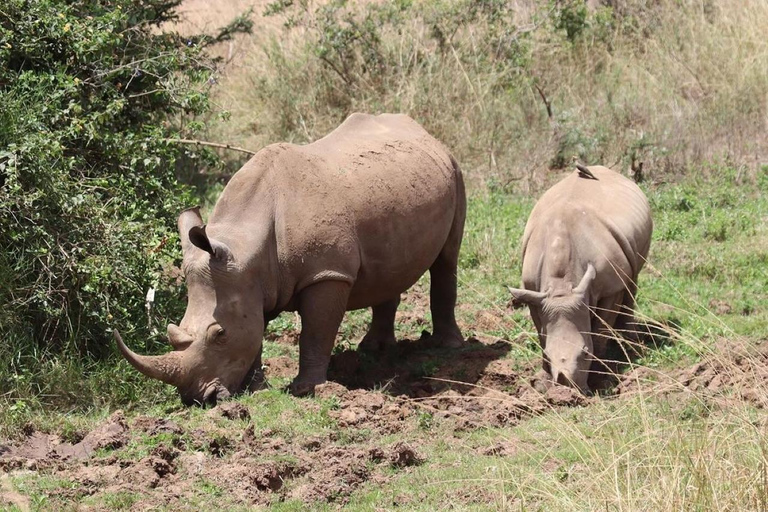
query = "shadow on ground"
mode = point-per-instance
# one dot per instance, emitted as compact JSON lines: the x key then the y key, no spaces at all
{"x":419,"y":368}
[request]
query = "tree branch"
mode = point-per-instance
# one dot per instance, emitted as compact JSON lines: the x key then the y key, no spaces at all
{"x":544,"y":99}
{"x":211,"y":144}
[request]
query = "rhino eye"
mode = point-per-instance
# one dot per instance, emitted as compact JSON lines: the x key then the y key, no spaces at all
{"x":217,"y":335}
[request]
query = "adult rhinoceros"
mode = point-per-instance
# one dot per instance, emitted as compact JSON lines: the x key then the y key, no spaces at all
{"x":584,"y":245}
{"x":347,"y":222}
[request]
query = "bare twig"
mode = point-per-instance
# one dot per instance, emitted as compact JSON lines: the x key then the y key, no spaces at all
{"x":544,"y":99}
{"x":211,"y":144}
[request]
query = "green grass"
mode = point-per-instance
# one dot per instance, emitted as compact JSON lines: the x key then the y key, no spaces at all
{"x":651,"y":452}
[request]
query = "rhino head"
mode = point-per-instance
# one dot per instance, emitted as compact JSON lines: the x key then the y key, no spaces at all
{"x":564,"y":323}
{"x":217,"y":344}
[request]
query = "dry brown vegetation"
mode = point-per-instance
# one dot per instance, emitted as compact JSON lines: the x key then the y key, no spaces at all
{"x":652,"y":88}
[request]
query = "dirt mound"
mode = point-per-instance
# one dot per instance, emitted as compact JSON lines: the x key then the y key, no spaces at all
{"x":281,"y":366}
{"x":405,"y":391}
{"x":232,"y":411}
{"x":403,"y":455}
{"x":42,"y":450}
{"x":154,"y":426}
{"x":732,"y":369}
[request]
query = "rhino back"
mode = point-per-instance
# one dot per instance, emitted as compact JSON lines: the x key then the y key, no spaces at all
{"x":371,"y":203}
{"x":606,"y":222}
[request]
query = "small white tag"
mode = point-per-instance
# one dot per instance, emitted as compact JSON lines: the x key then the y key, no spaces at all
{"x":150,"y":295}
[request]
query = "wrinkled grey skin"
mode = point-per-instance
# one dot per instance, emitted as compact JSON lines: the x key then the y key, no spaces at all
{"x":347,"y":222}
{"x":584,"y":245}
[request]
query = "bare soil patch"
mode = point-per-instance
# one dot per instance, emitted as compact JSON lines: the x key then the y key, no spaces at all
{"x":376,"y":395}
{"x":733,"y":370}
{"x":382,"y":403}
{"x":474,"y":386}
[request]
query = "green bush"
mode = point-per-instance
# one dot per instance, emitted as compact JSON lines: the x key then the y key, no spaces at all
{"x":89,"y":92}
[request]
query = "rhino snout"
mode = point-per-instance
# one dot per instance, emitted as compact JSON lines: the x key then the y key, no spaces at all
{"x":577,"y":380}
{"x":209,"y":396}
{"x":571,"y":371}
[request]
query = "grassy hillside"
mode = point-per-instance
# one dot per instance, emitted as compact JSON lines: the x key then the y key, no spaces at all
{"x":673,"y":92}
{"x":514,"y":88}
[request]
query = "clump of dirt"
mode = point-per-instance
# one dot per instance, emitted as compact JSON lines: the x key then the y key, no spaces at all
{"x":232,"y":411}
{"x":154,"y":426}
{"x":219,"y":446}
{"x":281,"y":366}
{"x":341,"y":471}
{"x":733,"y":369}
{"x":402,"y":455}
{"x":501,"y":449}
{"x":370,"y":409}
{"x":271,"y":476}
{"x":564,"y":396}
{"x":163,"y":460}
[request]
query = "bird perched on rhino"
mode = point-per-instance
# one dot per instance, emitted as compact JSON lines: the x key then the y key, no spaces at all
{"x":584,"y":245}
{"x":584,"y":171}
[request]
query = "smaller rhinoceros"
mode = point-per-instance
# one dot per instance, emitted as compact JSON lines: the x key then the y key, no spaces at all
{"x":584,"y":245}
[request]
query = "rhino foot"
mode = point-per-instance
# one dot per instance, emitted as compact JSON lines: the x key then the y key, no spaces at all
{"x":455,"y":340}
{"x":374,"y":343}
{"x":451,"y":339}
{"x":303,"y":388}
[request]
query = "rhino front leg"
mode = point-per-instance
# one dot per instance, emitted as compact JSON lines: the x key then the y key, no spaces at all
{"x":258,"y":380}
{"x":605,"y":341}
{"x":381,"y":335}
{"x":541,"y":380}
{"x":321,"y":306}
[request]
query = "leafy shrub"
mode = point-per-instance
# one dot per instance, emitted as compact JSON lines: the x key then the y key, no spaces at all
{"x":89,"y":92}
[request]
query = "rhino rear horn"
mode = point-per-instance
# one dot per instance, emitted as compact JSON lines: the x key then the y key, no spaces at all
{"x":530,"y":297}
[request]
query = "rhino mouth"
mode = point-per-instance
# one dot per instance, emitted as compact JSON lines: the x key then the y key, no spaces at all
{"x":215,"y":391}
{"x":210,"y":396}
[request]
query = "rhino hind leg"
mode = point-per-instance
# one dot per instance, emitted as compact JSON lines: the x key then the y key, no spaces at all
{"x":321,"y":307}
{"x":442,"y":299}
{"x":381,"y":334}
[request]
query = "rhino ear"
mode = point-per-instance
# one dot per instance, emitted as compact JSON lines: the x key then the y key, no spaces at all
{"x":586,"y":281}
{"x":188,"y":219}
{"x":199,"y":238}
{"x":530,"y":297}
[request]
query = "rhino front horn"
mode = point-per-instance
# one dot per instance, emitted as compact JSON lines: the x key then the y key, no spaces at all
{"x":165,"y":368}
